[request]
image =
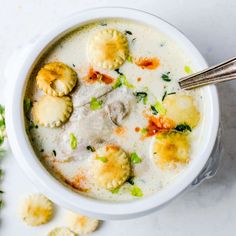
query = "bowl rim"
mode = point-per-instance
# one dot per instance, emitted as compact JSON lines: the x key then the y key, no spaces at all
{"x":51,"y":187}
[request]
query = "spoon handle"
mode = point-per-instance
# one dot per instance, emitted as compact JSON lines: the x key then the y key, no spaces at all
{"x":223,"y":72}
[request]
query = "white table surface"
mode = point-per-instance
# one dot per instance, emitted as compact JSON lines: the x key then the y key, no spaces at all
{"x":211,"y":25}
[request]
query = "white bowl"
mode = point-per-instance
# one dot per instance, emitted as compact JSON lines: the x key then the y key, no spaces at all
{"x":43,"y":180}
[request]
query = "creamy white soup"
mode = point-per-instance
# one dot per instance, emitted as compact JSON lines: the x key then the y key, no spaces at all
{"x":105,"y":114}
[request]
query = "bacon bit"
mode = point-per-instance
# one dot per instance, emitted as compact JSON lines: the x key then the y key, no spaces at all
{"x":112,"y":147}
{"x":148,"y":63}
{"x":119,"y":131}
{"x":137,"y":129}
{"x":158,"y":124}
{"x":94,"y":76}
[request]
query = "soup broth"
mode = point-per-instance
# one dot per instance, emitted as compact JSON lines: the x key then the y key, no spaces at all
{"x":131,"y":108}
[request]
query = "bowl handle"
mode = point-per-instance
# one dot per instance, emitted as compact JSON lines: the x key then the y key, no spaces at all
{"x":212,"y":165}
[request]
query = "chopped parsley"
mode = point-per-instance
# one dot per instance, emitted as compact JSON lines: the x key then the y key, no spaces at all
{"x":73,"y":65}
{"x":2,"y":138}
{"x":136,"y":191}
{"x":135,"y":158}
{"x":32,"y":126}
{"x":121,"y":80}
{"x":128,"y":32}
{"x":1,"y":203}
{"x":130,"y":180}
{"x":158,"y":108}
{"x":118,"y":71}
{"x":102,"y":159}
{"x":90,"y":148}
{"x":183,"y":127}
{"x":95,"y":104}
{"x":141,"y":96}
{"x":143,"y":131}
{"x":27,"y":105}
{"x":54,"y":153}
{"x":115,"y":190}
{"x":103,"y":24}
{"x":166,"y":77}
{"x":187,"y":69}
{"x":2,"y":124}
{"x":154,"y":111}
{"x":2,"y":110}
{"x":130,"y":59}
{"x":73,"y":141}
{"x":164,"y":96}
{"x":133,"y":40}
{"x":171,"y":93}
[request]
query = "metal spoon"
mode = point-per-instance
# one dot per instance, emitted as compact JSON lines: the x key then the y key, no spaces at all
{"x":216,"y":74}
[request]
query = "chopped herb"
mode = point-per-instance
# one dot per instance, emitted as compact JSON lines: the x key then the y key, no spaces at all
{"x":133,"y":40}
{"x":90,"y":148}
{"x":1,"y":173}
{"x":166,"y":77}
{"x":164,"y":96}
{"x":54,"y":153}
{"x":162,"y":45}
{"x":130,"y":59}
{"x":102,"y":159}
{"x":2,"y":110}
{"x":136,"y":191}
{"x":27,"y":105}
{"x":42,"y":150}
{"x":183,"y":128}
{"x":115,"y":191}
{"x":171,"y":93}
{"x":121,"y":80}
{"x":73,"y":65}
{"x":103,"y":24}
{"x":1,"y":204}
{"x":187,"y":69}
{"x":73,"y":141}
{"x":128,"y":32}
{"x":2,"y":138}
{"x":143,"y":131}
{"x":135,"y":158}
{"x":158,"y":108}
{"x":118,"y":71}
{"x":2,"y":123}
{"x":32,"y":125}
{"x":141,"y":96}
{"x":118,"y":83}
{"x":95,"y":104}
{"x":154,"y":111}
{"x":130,"y":180}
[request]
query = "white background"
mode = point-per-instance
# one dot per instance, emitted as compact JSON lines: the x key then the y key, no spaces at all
{"x":211,"y":25}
